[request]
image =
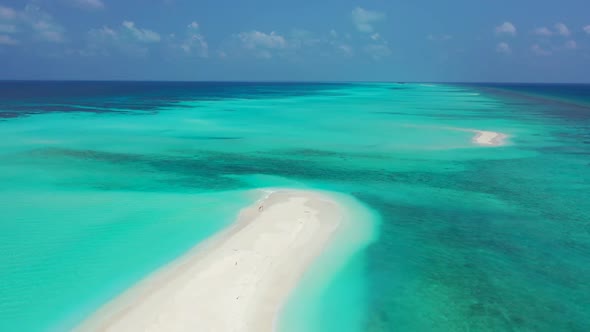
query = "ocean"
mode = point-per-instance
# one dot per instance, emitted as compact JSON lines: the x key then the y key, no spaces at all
{"x":102,"y":183}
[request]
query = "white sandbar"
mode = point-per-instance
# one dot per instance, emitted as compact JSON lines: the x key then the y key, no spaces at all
{"x":236,"y":281}
{"x":489,"y":138}
{"x":482,"y":137}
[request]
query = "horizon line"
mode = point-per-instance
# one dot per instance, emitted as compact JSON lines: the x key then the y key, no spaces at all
{"x":290,"y":81}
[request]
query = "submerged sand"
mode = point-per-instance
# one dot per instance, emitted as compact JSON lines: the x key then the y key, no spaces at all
{"x":236,"y":281}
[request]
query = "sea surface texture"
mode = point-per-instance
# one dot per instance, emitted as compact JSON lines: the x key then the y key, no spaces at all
{"x":102,"y":183}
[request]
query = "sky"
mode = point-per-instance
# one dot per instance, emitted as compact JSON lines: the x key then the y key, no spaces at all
{"x":305,"y":40}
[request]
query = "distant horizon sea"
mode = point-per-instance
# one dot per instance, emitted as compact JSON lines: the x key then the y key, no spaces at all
{"x":105,"y":182}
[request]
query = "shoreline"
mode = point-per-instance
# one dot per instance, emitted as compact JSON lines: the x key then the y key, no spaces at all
{"x":239,"y":279}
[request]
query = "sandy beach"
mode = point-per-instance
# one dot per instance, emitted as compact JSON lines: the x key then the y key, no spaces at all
{"x":489,"y":138}
{"x":236,"y":281}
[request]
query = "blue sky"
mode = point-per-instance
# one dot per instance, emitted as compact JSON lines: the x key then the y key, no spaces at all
{"x":331,"y":40}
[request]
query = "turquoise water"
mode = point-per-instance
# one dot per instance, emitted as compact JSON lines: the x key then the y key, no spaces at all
{"x":102,"y":183}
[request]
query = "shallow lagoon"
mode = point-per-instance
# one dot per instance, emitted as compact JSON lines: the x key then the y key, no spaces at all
{"x":103,"y":183}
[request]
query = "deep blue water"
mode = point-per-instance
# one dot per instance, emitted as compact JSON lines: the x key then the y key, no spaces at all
{"x":19,"y":98}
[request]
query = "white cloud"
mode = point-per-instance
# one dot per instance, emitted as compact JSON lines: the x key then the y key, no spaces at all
{"x":562,"y":29}
{"x":256,"y":39}
{"x":88,"y":4}
{"x":295,"y":45}
{"x":503,"y":48}
{"x":7,"y":13}
{"x":100,"y":41}
{"x":543,"y":31}
{"x":364,"y":19}
{"x":587,"y":29}
{"x":506,"y":28}
{"x":44,"y":26}
{"x":538,"y":50}
{"x":195,"y":41}
{"x":104,"y":33}
{"x":7,"y":40}
{"x":264,"y":45}
{"x":337,"y":44}
{"x":127,"y":39}
{"x":571,"y":45}
{"x":49,"y":32}
{"x":141,"y":35}
{"x":30,"y":23}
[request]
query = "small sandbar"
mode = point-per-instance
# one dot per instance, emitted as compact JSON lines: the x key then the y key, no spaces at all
{"x":239,"y":279}
{"x":482,"y":137}
{"x":489,"y":138}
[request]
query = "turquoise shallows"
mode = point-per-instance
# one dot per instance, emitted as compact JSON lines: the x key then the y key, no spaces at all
{"x":103,"y":183}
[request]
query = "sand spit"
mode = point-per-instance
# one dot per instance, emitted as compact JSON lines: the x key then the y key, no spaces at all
{"x":236,"y":281}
